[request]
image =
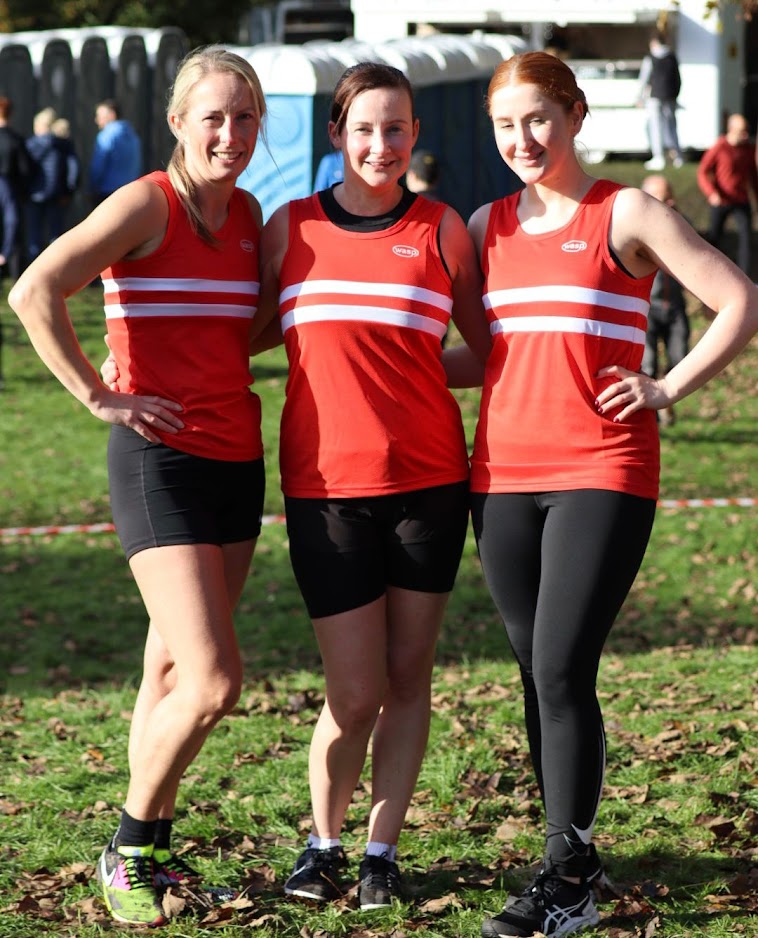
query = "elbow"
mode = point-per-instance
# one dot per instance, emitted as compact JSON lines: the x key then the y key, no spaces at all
{"x":18,"y":297}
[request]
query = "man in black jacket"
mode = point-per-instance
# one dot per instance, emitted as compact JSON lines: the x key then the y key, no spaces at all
{"x":660,"y":84}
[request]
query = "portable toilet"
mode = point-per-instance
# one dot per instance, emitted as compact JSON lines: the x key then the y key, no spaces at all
{"x":454,"y":120}
{"x":165,"y":47}
{"x":95,"y":83}
{"x":298,"y":84}
{"x":132,"y":83}
{"x":56,"y":81}
{"x":17,"y":83}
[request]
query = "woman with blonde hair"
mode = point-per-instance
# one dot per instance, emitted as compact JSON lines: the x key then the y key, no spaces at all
{"x":178,"y":254}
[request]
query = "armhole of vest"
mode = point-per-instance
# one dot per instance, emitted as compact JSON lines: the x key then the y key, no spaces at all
{"x":609,"y":256}
{"x":435,"y":222}
{"x":174,"y":206}
{"x":497,"y":209}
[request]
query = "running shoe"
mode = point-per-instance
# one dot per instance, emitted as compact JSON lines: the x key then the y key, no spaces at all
{"x":596,"y":876}
{"x":316,"y":875}
{"x":550,"y":906}
{"x":171,"y":870}
{"x":379,"y":883}
{"x":125,"y":875}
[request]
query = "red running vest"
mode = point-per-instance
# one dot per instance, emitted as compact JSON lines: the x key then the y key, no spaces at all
{"x":179,"y":326}
{"x":367,"y":410}
{"x":560,"y":308}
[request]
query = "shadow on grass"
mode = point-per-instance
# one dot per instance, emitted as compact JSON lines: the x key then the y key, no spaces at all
{"x":72,"y":616}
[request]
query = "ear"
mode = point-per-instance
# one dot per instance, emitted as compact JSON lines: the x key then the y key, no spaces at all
{"x":175,"y":124}
{"x":576,"y":117}
{"x":415,"y":131}
{"x":334,"y":137}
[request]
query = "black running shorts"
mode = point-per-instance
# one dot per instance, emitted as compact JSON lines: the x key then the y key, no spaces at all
{"x":161,"y":496}
{"x":345,"y":552}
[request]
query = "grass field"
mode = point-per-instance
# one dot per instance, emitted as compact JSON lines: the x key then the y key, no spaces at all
{"x":679,"y":823}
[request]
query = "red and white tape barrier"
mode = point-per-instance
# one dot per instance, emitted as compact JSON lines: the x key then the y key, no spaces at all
{"x":47,"y":530}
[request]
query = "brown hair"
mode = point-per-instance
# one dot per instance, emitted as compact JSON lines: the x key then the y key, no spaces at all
{"x":365,"y":76}
{"x":193,"y":69}
{"x":552,"y":76}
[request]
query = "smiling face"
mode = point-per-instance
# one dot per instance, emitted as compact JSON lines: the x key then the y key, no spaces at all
{"x":377,"y":137}
{"x":218,"y":128}
{"x":534,"y":134}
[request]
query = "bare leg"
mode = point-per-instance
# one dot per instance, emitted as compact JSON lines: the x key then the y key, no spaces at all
{"x":402,"y":729}
{"x":189,"y":592}
{"x":353,"y":650}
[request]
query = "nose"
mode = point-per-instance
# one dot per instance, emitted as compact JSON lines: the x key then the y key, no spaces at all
{"x":378,"y":141}
{"x":523,"y":136}
{"x":226,"y":130}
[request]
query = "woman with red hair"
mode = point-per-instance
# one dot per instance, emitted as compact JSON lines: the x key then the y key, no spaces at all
{"x":564,"y":472}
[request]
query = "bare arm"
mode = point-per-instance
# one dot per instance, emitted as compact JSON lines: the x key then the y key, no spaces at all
{"x":465,"y":364}
{"x":267,"y":331}
{"x":124,"y":225}
{"x":647,"y":234}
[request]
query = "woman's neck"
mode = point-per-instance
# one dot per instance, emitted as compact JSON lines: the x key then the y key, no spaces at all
{"x":367,"y":201}
{"x":544,"y":208}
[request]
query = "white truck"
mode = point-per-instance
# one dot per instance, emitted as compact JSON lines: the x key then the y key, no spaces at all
{"x":604,"y":41}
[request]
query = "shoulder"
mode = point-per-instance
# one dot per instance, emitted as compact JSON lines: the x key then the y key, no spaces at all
{"x":275,"y":235}
{"x":254,"y":205}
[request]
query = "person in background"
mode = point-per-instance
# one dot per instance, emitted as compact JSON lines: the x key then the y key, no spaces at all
{"x":565,"y":464}
{"x":331,"y":170}
{"x":667,"y":319}
{"x":423,"y":175}
{"x":185,"y":455}
{"x":727,"y":177}
{"x":17,"y":168}
{"x":373,"y":461}
{"x":49,"y":186}
{"x":117,"y":154}
{"x":8,"y":228}
{"x":62,"y":130}
{"x":660,"y":84}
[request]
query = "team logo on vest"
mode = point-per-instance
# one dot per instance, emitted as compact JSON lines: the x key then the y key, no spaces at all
{"x":572,"y":247}
{"x":402,"y":250}
{"x":247,"y":245}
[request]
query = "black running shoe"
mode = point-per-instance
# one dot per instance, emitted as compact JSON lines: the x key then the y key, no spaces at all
{"x":316,"y":875}
{"x":550,"y":906}
{"x":379,"y":883}
{"x":598,"y":879}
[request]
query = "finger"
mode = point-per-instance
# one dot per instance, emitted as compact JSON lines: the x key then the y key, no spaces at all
{"x":165,"y":403}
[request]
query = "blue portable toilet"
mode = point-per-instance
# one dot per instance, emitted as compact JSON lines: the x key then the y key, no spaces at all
{"x":298,"y":84}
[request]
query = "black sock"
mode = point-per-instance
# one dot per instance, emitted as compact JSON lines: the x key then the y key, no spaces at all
{"x":134,"y":833}
{"x":163,"y":833}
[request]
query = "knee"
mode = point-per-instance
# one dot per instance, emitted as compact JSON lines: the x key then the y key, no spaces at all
{"x":215,"y":696}
{"x":406,"y":685}
{"x":354,"y":711}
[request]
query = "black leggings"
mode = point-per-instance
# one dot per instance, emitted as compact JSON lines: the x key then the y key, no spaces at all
{"x":559,"y":566}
